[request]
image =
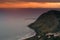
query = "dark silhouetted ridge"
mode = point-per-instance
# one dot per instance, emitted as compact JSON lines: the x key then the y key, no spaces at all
{"x":46,"y":23}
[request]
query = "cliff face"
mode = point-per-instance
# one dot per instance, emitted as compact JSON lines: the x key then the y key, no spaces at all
{"x":47,"y":22}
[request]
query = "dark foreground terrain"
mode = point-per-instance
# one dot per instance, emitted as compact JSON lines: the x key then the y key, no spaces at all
{"x":48,"y":22}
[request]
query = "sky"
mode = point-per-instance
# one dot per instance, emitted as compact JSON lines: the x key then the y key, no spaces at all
{"x":14,"y":22}
{"x":30,"y":5}
{"x":29,"y":0}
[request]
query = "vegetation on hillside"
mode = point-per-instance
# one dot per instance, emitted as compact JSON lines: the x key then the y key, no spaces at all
{"x":48,"y":22}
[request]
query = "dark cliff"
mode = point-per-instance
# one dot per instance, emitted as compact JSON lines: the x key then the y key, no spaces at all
{"x":47,"y":22}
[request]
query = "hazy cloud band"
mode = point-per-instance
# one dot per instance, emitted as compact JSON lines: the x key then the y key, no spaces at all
{"x":30,"y":5}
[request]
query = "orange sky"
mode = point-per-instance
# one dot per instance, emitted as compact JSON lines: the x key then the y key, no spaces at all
{"x":30,"y":5}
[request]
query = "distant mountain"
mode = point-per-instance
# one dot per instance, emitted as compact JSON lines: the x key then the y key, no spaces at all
{"x":48,"y":22}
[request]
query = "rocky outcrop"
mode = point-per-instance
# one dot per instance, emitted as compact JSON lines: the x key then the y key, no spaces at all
{"x":48,"y":22}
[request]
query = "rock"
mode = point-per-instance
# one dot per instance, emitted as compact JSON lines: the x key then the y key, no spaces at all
{"x":47,"y":22}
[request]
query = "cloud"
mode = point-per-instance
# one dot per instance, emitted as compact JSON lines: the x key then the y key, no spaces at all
{"x":28,"y":0}
{"x":30,"y":5}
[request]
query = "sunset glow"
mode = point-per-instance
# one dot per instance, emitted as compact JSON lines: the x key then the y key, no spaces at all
{"x":30,"y":5}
